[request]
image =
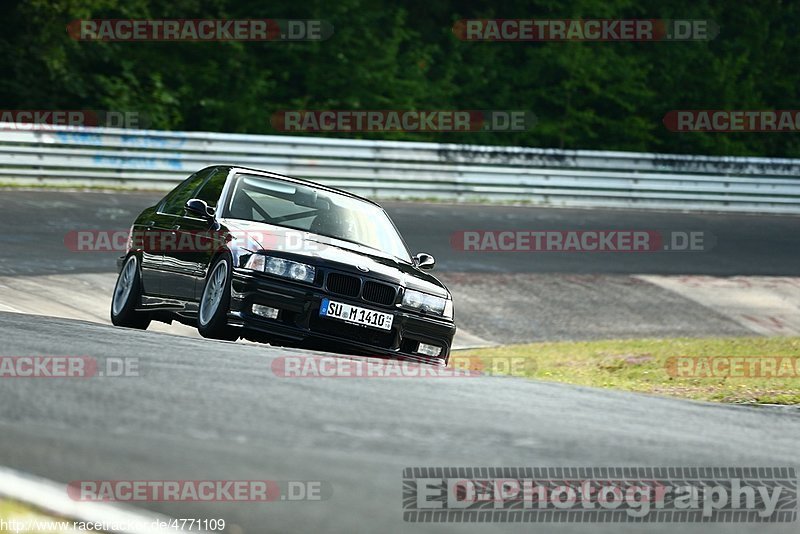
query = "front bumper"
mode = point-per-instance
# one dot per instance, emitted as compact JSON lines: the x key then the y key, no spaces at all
{"x":299,"y":323}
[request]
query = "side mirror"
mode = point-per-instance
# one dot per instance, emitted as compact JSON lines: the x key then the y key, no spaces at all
{"x":424,"y":261}
{"x":199,"y":207}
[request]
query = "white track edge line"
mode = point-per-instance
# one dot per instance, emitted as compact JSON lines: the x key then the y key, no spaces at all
{"x":52,"y":497}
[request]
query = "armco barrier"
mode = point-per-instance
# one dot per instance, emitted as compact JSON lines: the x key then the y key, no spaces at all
{"x":394,"y":169}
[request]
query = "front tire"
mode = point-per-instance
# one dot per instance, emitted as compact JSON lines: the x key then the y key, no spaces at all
{"x":212,"y":315}
{"x":127,"y":294}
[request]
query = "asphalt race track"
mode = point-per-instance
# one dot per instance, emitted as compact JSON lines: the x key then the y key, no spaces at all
{"x":212,"y":410}
{"x":544,"y":296}
{"x":742,"y":244}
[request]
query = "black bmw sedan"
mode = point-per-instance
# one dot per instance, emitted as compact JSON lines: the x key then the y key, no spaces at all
{"x":240,"y":252}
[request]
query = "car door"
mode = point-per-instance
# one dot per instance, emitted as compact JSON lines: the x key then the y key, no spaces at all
{"x":141,"y":236}
{"x":169,"y":274}
{"x":183,"y":258}
{"x":152,"y":232}
{"x":196,"y":241}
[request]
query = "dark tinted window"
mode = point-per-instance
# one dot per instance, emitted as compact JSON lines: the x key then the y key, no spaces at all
{"x":211,"y":191}
{"x":327,"y":213}
{"x":176,"y":200}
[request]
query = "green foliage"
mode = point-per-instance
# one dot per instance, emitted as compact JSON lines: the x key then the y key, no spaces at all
{"x":404,"y":55}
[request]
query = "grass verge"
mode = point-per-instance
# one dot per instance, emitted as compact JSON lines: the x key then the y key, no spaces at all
{"x":752,"y":370}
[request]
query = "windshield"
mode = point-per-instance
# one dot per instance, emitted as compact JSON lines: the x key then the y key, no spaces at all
{"x":271,"y":201}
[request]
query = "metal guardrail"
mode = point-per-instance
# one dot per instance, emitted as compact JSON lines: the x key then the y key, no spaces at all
{"x":395,"y":169}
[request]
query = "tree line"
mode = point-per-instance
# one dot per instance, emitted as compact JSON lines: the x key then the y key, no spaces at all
{"x":406,"y":56}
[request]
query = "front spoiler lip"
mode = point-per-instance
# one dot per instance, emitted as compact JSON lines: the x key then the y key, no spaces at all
{"x":299,"y":336}
{"x":299,"y":297}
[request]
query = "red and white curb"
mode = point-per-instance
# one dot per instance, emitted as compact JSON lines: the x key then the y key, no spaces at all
{"x":767,"y":305}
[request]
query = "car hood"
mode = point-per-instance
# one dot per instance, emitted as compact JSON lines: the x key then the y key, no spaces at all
{"x":331,"y":252}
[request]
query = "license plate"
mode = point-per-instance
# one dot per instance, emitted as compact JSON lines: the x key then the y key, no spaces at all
{"x":356,"y":314}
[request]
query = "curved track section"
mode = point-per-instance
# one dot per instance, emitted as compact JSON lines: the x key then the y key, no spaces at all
{"x":215,"y":410}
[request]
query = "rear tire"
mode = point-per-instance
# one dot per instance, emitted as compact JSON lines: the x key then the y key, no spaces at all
{"x":212,"y":315}
{"x":126,"y":297}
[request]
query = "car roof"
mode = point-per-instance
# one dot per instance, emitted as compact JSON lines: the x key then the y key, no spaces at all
{"x":295,"y":180}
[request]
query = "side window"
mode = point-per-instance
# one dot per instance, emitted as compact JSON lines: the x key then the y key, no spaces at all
{"x":212,"y":190}
{"x":176,"y":200}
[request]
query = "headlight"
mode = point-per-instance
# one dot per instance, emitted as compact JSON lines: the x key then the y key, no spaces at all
{"x":276,"y":266}
{"x":281,"y":267}
{"x":413,"y":299}
{"x":299,"y":271}
{"x":427,"y":303}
